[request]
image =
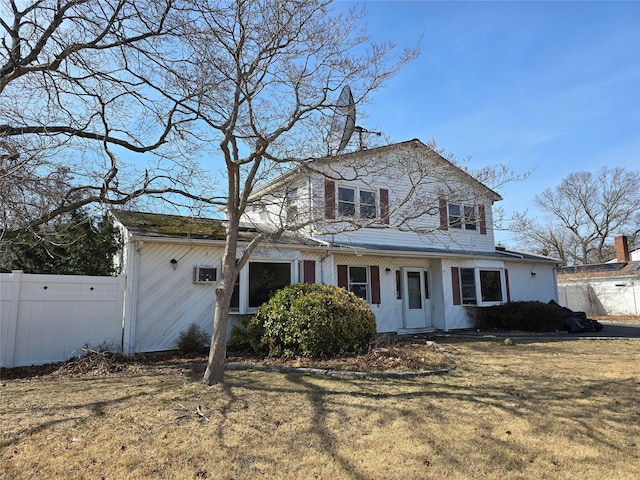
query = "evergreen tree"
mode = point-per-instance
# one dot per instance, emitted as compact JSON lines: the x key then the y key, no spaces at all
{"x":77,"y":244}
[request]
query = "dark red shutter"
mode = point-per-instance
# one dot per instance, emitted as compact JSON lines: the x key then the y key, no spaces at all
{"x":455,"y":285}
{"x":309,"y":271}
{"x":444,"y":217}
{"x":343,"y":277}
{"x":329,"y":199}
{"x":483,"y":219}
{"x":506,"y":280}
{"x":375,"y":284}
{"x":384,"y":206}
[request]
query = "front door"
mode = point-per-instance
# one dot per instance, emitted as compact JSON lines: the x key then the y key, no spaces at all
{"x":416,"y":305}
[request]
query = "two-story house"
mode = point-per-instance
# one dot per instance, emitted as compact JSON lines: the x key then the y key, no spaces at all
{"x":397,"y":225}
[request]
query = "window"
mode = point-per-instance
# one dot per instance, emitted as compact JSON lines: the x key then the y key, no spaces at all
{"x":265,"y":279}
{"x":490,"y":286}
{"x":454,"y":216}
{"x":358,"y":283}
{"x":292,"y":205}
{"x":235,"y":296}
{"x":346,"y":202}
{"x":468,"y":286}
{"x":367,"y":204}
{"x":469,"y":218}
{"x":462,"y":216}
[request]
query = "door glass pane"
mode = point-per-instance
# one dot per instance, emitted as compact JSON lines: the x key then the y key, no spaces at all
{"x":414,"y":291}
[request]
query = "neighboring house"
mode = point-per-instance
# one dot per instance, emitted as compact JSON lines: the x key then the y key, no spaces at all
{"x":398,"y":225}
{"x":611,"y":288}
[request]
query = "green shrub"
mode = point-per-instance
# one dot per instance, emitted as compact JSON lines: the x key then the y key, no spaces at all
{"x":193,"y":340}
{"x":249,"y":336}
{"x":527,"y":316}
{"x":313,"y":320}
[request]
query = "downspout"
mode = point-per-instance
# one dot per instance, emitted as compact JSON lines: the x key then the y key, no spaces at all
{"x":326,"y":255}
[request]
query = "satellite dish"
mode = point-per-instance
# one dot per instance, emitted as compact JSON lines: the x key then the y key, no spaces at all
{"x":344,"y":120}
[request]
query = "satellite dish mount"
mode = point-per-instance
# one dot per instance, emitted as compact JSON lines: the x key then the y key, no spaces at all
{"x":343,"y":123}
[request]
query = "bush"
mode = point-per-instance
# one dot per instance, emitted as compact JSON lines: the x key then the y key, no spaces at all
{"x":193,"y":340}
{"x":527,"y":316}
{"x":312,"y":320}
{"x":249,"y":336}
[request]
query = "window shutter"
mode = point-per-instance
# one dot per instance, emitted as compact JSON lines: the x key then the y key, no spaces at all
{"x":375,"y":284}
{"x":506,"y":281}
{"x":309,"y":271}
{"x":444,"y":218}
{"x":343,"y":277}
{"x":455,"y":285}
{"x":329,"y":199}
{"x":384,"y":206}
{"x":483,"y":219}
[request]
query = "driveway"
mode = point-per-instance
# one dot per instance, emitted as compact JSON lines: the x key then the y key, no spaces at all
{"x":610,"y":330}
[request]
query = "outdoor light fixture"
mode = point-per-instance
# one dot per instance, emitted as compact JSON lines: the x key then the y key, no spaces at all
{"x":174,"y":263}
{"x":387,"y":269}
{"x":533,"y":274}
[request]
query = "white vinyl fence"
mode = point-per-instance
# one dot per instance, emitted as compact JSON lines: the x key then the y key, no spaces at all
{"x":50,"y":318}
{"x":604,"y":296}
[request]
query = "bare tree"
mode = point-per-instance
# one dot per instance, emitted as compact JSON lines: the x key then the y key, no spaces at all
{"x":264,"y":76}
{"x":582,"y":214}
{"x":85,"y":114}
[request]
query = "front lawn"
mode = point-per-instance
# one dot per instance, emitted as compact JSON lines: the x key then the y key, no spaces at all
{"x":558,"y":409}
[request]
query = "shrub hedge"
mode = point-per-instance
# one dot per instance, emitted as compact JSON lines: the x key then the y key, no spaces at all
{"x":527,"y":316}
{"x":313,"y":320}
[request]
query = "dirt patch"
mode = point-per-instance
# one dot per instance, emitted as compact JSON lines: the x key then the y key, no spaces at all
{"x":401,"y":356}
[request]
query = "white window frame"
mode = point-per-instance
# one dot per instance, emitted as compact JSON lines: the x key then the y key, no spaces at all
{"x":357,"y":203}
{"x":291,"y":200}
{"x":477,"y":285}
{"x":466,"y":219}
{"x":243,"y":281}
{"x":366,"y":283}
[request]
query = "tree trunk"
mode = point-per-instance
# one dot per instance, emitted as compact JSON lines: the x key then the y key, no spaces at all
{"x":218,"y":351}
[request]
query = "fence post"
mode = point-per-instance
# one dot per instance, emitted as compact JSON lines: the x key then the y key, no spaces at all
{"x":10,"y":327}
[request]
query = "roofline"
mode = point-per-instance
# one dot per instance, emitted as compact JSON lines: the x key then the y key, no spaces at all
{"x":297,"y":170}
{"x":354,"y":250}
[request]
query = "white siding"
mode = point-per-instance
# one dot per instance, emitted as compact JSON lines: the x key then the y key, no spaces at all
{"x":524,"y":286}
{"x":388,"y":313}
{"x":383,"y":170}
{"x":167,"y":299}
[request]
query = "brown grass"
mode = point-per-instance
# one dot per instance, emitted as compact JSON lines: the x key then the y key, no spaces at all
{"x":562,"y":410}
{"x":626,"y":319}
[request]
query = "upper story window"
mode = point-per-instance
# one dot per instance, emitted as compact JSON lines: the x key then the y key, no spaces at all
{"x":368,"y":204}
{"x":346,"y":202}
{"x":352,"y":200}
{"x":462,"y":216}
{"x":292,"y":204}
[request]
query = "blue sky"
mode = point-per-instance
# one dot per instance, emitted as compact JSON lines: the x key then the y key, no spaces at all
{"x":550,"y":85}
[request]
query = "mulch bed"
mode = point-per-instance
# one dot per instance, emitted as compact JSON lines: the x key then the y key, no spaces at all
{"x":408,"y":355}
